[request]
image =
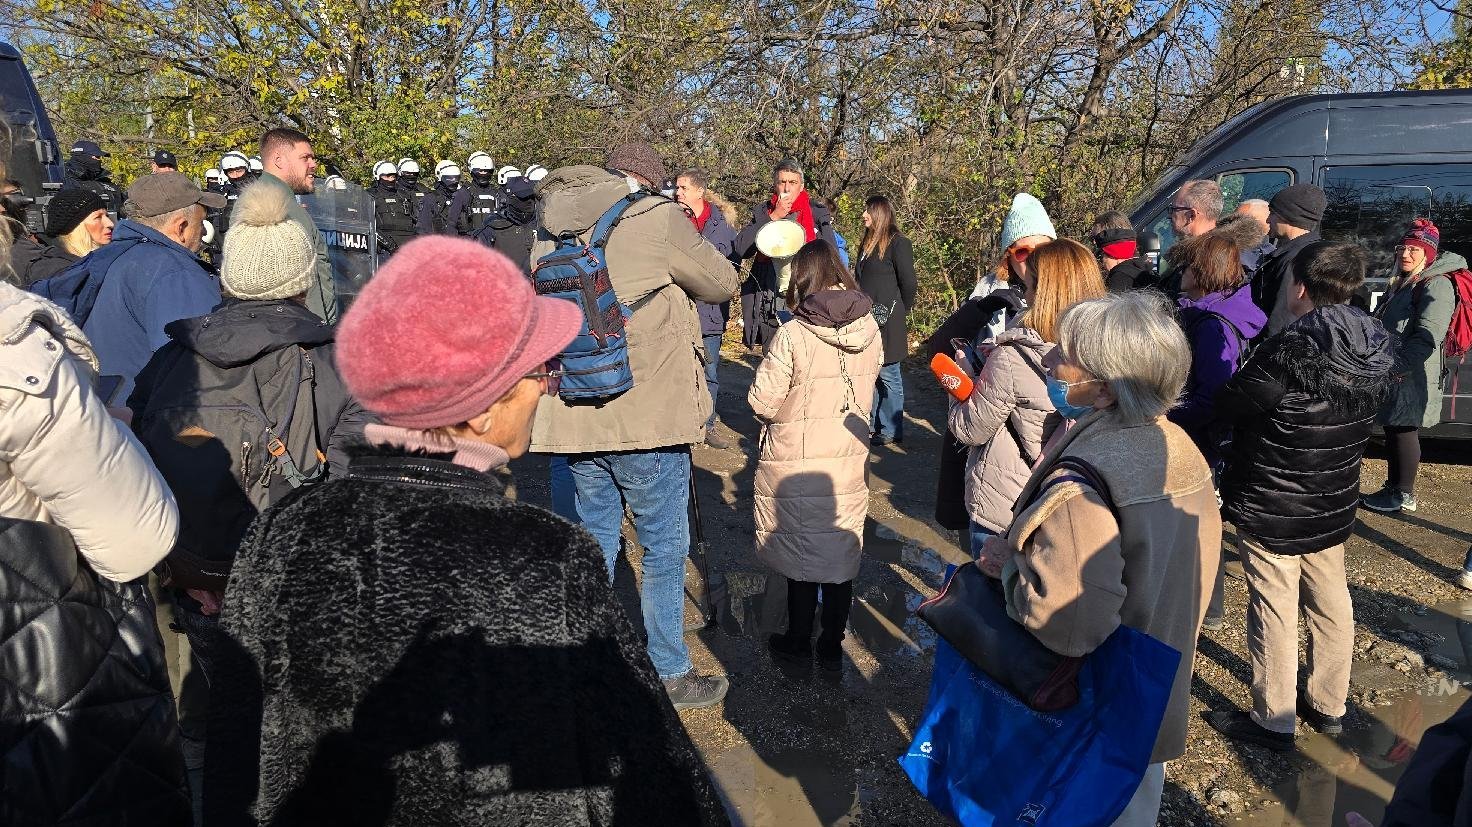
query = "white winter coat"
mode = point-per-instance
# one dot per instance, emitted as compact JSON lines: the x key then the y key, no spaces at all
{"x":63,"y":458}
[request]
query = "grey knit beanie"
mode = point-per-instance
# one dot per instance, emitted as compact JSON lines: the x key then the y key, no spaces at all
{"x":267,"y":254}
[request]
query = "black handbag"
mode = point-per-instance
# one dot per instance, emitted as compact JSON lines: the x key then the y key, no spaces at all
{"x":970,"y":614}
{"x":87,"y":724}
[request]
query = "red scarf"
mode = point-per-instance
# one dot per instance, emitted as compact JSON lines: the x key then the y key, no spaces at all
{"x":802,"y":210}
{"x":704,"y":216}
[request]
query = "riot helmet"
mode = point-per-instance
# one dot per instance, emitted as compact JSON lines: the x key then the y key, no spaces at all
{"x":506,"y":173}
{"x":482,"y":169}
{"x":535,"y":173}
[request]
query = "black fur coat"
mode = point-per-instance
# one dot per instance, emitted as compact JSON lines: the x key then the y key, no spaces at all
{"x":409,"y":647}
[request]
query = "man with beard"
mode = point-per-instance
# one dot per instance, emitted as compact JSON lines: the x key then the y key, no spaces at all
{"x":288,"y":161}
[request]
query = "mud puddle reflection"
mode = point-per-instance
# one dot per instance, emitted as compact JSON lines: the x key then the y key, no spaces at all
{"x":1357,"y":771}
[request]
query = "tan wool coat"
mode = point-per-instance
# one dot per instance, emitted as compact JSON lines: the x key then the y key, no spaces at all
{"x":1077,"y":572}
{"x":814,"y":390}
{"x":1009,"y":389}
{"x":659,"y":266}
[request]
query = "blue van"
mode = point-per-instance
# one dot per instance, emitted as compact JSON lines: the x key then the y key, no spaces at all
{"x":33,"y":157}
{"x":1383,"y":159}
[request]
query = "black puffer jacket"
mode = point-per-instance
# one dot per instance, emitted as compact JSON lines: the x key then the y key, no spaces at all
{"x":410,"y":647}
{"x":1131,"y":274}
{"x":1301,"y":410}
{"x":87,"y":728}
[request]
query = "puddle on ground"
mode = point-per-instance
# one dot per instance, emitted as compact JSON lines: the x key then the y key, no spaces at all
{"x":788,"y":788}
{"x":1357,"y":771}
{"x":882,"y":618}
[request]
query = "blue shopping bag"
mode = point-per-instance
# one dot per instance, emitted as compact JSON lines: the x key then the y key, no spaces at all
{"x":983,"y":758}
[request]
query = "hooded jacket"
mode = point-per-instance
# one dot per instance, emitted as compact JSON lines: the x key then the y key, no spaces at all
{"x":63,"y":459}
{"x":407,"y":646}
{"x":659,"y":267}
{"x":1218,"y":327}
{"x":1010,"y":397}
{"x":1301,"y":411}
{"x":813,"y":392}
{"x":1419,"y":313}
{"x":236,"y":336}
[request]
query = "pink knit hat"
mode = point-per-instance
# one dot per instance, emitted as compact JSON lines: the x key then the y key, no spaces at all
{"x":445,"y":329}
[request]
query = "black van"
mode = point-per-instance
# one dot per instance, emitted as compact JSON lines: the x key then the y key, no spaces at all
{"x":33,"y":157}
{"x":1383,"y":159}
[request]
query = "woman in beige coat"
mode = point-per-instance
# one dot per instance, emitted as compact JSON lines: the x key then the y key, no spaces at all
{"x":813,"y":390}
{"x":1076,"y":563}
{"x":1003,"y":420}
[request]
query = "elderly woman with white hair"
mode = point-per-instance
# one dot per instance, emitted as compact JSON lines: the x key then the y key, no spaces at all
{"x":1140,"y":549}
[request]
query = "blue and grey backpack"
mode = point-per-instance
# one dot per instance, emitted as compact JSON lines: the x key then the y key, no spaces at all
{"x":596,"y":364}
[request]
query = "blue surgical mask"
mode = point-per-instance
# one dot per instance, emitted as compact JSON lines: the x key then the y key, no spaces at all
{"x":1058,"y":395}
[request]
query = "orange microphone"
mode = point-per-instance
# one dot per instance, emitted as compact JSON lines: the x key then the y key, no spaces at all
{"x":951,"y":377}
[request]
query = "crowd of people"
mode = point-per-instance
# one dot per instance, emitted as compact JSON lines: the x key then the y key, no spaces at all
{"x":359,"y":625}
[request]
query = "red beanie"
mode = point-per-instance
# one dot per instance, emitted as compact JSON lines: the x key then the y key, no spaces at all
{"x":445,"y":329}
{"x":1425,"y":235}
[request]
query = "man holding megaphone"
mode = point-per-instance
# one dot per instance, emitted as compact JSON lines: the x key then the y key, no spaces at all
{"x":760,"y":293}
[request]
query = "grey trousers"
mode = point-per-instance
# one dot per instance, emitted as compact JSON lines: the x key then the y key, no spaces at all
{"x":1278,"y":586}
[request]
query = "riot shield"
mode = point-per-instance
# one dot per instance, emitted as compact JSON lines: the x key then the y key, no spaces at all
{"x":343,"y":212}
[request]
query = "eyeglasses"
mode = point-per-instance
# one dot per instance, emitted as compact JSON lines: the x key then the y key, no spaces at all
{"x":1401,"y":248}
{"x":550,"y":376}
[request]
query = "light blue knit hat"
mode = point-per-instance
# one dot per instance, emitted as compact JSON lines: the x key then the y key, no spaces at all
{"x":1027,"y":217}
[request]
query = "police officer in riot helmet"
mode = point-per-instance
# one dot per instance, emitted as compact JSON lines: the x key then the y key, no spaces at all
{"x":392,"y":206}
{"x":214,"y":180}
{"x":256,"y":166}
{"x":409,"y":185}
{"x":513,"y":228}
{"x":236,"y":169}
{"x":434,"y":216}
{"x":84,"y":170}
{"x":475,"y":204}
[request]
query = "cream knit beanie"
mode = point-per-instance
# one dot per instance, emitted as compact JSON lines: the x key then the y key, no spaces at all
{"x":267,"y":254}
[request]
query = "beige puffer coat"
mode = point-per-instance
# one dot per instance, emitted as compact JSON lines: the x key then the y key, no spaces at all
{"x":63,"y":458}
{"x":659,"y":266}
{"x":1008,"y":389}
{"x":814,"y":390}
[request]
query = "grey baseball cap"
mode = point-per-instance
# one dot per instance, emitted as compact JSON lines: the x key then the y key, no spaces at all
{"x":153,"y":195}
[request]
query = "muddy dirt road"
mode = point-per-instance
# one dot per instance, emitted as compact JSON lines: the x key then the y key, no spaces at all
{"x":799,"y":750}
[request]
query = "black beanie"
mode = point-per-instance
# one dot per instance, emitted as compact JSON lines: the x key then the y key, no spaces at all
{"x":1301,"y":206}
{"x":69,"y":208}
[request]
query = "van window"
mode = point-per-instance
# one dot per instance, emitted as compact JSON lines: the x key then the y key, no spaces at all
{"x":1373,"y":206}
{"x":1237,"y":186}
{"x":1244,"y":186}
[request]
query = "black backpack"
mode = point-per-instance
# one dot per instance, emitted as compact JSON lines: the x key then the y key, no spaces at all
{"x":230,"y":442}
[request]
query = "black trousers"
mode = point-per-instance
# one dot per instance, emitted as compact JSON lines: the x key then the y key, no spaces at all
{"x":1403,"y":456}
{"x":802,"y":602}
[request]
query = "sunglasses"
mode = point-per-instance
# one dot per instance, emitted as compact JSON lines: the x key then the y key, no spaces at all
{"x":1020,"y":254}
{"x":550,"y":376}
{"x":1174,"y":208}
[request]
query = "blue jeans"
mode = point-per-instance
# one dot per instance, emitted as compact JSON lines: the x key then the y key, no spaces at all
{"x":712,"y":375}
{"x":889,"y":404}
{"x":564,"y":493}
{"x":978,"y":536}
{"x":656,"y":486}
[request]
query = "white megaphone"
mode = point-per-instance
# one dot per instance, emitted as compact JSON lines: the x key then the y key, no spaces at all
{"x":780,"y":241}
